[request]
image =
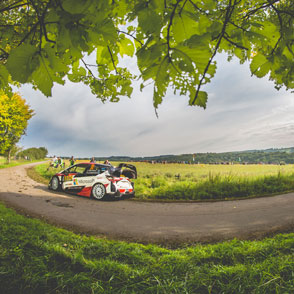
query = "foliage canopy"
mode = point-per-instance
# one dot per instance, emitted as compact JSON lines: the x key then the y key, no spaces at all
{"x":14,"y":116}
{"x":33,"y":153}
{"x":175,"y":42}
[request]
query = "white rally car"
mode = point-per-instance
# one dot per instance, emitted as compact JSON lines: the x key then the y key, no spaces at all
{"x":96,"y":180}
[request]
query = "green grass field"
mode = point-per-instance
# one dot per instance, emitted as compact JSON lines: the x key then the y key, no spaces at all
{"x":202,"y":182}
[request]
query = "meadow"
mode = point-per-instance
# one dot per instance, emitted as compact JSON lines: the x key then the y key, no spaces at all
{"x":202,"y":182}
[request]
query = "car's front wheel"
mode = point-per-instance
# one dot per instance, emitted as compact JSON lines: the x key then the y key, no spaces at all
{"x":98,"y":191}
{"x":54,"y":184}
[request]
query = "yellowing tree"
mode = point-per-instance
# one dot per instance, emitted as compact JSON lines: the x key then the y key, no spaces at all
{"x":14,"y":116}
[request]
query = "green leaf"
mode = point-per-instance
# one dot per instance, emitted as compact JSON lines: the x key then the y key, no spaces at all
{"x":158,"y":5}
{"x":55,"y":62}
{"x":21,"y":62}
{"x":184,"y":27}
{"x":201,"y":99}
{"x":76,"y":6}
{"x":162,"y":77}
{"x":199,"y":54}
{"x":107,"y":30}
{"x":43,"y":77}
{"x":4,"y":74}
{"x":259,"y":65}
{"x":148,"y":56}
{"x":270,"y":31}
{"x":150,"y":72}
{"x":212,"y":69}
{"x":157,"y":98}
{"x":204,"y":23}
{"x":126,"y":46}
{"x":64,"y":43}
{"x":78,"y":71}
{"x":149,"y":21}
{"x":102,"y":55}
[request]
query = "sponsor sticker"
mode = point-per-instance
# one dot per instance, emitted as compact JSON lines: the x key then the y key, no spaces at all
{"x":67,"y":178}
{"x":86,"y":181}
{"x":81,"y":181}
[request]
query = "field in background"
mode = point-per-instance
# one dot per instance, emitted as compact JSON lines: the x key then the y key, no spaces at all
{"x":199,"y":182}
{"x":3,"y":162}
{"x":202,"y":182}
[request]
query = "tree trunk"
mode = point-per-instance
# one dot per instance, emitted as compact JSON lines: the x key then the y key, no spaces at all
{"x":8,"y":155}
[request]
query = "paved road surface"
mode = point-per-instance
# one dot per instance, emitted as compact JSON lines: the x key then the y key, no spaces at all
{"x":148,"y":221}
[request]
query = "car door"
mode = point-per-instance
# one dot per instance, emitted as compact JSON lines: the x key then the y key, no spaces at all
{"x":72,"y":176}
{"x":87,"y":177}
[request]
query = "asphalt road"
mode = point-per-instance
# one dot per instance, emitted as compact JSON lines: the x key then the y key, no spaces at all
{"x":148,"y":221}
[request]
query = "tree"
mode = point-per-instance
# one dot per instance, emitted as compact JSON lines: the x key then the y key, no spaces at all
{"x":12,"y":152}
{"x":33,"y":153}
{"x":175,"y":42}
{"x":14,"y":116}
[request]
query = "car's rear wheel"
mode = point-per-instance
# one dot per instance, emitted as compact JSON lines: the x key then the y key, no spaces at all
{"x":99,"y":191}
{"x":54,"y":184}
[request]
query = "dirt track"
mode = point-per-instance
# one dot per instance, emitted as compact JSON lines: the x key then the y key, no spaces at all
{"x":148,"y":221}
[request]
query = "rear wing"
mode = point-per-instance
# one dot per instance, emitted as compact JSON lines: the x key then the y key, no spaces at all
{"x":128,"y":170}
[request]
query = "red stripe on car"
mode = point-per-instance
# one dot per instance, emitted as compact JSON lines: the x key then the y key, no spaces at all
{"x":86,"y":192}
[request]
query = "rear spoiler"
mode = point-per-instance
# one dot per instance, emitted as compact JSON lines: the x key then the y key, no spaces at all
{"x":130,"y":170}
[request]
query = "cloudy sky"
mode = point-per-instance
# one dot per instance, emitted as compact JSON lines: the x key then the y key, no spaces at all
{"x":242,"y":113}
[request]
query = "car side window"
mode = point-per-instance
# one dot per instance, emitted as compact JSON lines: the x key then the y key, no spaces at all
{"x":80,"y":169}
{"x":71,"y":170}
{"x":93,"y":170}
{"x":103,"y":169}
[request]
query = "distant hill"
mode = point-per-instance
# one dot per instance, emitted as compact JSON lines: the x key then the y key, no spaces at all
{"x":267,"y":156}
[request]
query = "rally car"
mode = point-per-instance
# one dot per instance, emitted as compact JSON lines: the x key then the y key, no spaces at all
{"x":96,"y":180}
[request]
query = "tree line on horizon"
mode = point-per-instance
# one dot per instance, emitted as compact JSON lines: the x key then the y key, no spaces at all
{"x":33,"y":153}
{"x":269,"y":156}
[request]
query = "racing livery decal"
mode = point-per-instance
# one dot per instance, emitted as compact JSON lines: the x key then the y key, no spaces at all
{"x":96,"y":180}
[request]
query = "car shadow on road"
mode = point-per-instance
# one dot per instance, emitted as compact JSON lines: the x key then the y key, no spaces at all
{"x":40,"y":187}
{"x":107,"y":199}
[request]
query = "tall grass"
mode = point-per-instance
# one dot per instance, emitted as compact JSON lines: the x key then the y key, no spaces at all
{"x":200,"y":182}
{"x":220,"y":187}
{"x":38,"y":258}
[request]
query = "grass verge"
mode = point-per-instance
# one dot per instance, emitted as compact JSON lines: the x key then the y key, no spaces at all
{"x":3,"y":163}
{"x":38,"y":258}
